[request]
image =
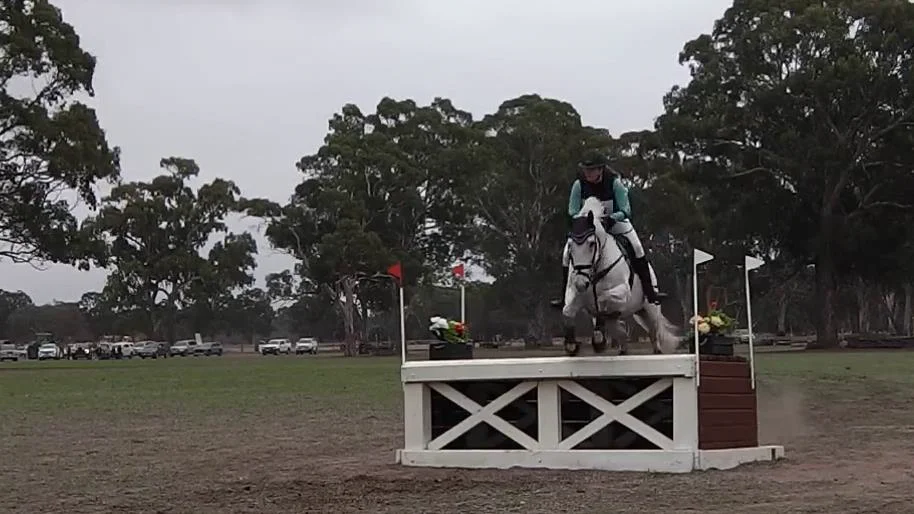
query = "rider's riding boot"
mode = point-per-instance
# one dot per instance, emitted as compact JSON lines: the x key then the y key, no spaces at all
{"x":559,"y":303}
{"x":644,"y":273}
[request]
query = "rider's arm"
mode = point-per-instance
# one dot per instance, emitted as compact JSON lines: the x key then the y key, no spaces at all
{"x":620,"y":195}
{"x":574,"y":199}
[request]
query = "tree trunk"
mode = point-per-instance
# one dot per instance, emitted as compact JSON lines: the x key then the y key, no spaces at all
{"x":890,"y":303}
{"x":149,"y":322}
{"x":908,"y":308}
{"x":685,"y":294}
{"x":826,"y":285}
{"x":167,"y":324}
{"x":782,"y":312}
{"x":536,"y":327}
{"x":363,"y":322}
{"x":348,"y":312}
{"x":863,"y":308}
{"x":393,"y":325}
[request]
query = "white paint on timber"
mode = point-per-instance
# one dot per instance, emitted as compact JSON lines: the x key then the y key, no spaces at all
{"x":606,"y":460}
{"x":685,"y":414}
{"x":651,"y":461}
{"x":417,"y":408}
{"x":618,"y":413}
{"x":679,"y":365}
{"x":549,"y":376}
{"x":479,"y":414}
{"x":549,"y":414}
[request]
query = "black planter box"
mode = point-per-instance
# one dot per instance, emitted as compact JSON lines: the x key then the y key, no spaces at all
{"x":449,"y":351}
{"x":713,"y":345}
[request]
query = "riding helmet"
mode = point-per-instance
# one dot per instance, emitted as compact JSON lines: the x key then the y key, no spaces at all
{"x":593,"y":159}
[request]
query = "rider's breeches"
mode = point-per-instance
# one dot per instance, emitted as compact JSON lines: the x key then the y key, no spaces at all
{"x":625,"y":228}
{"x":620,"y":228}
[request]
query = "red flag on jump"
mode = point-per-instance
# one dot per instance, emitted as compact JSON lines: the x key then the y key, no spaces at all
{"x":396,"y":271}
{"x":458,"y":271}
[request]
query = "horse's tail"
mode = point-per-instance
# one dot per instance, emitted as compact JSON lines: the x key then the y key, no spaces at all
{"x":667,"y":334}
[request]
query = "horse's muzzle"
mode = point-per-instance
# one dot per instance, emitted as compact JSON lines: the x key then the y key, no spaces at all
{"x":581,"y":282}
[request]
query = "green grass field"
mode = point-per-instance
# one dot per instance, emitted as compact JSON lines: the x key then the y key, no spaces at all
{"x":239,"y":384}
{"x":887,"y":366}
{"x":199,"y":384}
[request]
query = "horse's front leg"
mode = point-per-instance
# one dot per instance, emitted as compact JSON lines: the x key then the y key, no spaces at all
{"x":572,"y":346}
{"x":599,"y":339}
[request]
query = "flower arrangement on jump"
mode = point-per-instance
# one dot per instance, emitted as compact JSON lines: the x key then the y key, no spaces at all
{"x":448,"y":331}
{"x":716,"y":322}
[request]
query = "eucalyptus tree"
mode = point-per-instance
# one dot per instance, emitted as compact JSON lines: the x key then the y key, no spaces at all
{"x":801,"y":114}
{"x":52,"y":150}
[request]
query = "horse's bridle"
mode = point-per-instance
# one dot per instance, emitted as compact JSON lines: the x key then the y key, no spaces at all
{"x":594,"y":277}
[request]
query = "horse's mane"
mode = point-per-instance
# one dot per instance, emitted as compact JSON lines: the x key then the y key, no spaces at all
{"x":594,"y":205}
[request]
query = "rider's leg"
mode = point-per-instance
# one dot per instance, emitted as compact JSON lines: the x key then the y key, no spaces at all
{"x":559,"y":302}
{"x":639,"y":263}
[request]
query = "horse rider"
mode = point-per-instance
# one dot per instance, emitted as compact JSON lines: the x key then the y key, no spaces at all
{"x":597,"y":179}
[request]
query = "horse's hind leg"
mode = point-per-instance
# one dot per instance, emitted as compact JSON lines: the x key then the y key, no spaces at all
{"x":614,"y":328}
{"x":641,"y":321}
{"x":649,"y":323}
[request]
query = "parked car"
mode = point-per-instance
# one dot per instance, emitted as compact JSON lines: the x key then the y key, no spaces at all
{"x":151,"y":350}
{"x":8,"y":353}
{"x":104,"y":351}
{"x":80,"y":351}
{"x":741,"y":335}
{"x":276,"y":347}
{"x":49,"y":351}
{"x":306,"y":345}
{"x":207,"y":349}
{"x":182,"y":348}
{"x":127,"y":350}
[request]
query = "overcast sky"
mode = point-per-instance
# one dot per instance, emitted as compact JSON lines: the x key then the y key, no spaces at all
{"x":246,"y":87}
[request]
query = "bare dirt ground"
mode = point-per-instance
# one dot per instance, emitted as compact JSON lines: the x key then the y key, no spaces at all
{"x":846,"y":453}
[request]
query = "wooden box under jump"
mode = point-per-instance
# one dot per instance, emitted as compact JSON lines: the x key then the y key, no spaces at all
{"x":631,"y":413}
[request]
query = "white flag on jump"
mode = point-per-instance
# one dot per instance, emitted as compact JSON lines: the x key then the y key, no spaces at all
{"x":699,"y":256}
{"x":753,"y":263}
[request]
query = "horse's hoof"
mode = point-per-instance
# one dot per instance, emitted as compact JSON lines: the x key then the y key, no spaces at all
{"x":598,"y":341}
{"x":623,"y":352}
{"x":572,"y":349}
{"x":657,"y":352}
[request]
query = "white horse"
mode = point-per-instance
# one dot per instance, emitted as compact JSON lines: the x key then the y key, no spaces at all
{"x":601,"y":282}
